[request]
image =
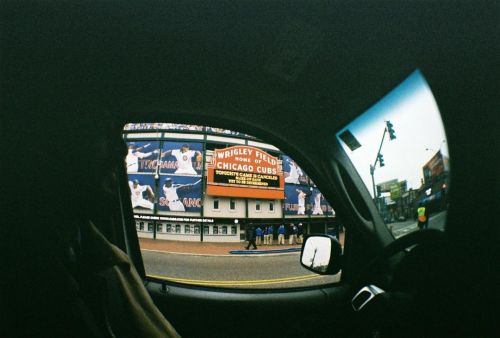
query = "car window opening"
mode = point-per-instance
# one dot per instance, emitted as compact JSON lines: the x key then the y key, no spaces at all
{"x":235,"y":187}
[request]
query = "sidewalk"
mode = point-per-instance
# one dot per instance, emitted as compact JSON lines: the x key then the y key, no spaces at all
{"x":203,"y":248}
{"x":207,"y":248}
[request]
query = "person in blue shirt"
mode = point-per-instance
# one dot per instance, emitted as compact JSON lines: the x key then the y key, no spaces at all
{"x":281,"y":235}
{"x":270,"y":234}
{"x":258,"y":233}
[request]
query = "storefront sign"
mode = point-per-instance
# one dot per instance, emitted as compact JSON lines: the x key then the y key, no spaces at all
{"x":174,"y":219}
{"x":386,"y":186}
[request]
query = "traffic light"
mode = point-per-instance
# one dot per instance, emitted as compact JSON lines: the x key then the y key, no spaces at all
{"x":381,"y":160}
{"x":390,"y":130}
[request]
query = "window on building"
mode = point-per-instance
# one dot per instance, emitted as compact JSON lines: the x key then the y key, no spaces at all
{"x":271,"y":206}
{"x":216,"y":204}
{"x":141,"y":226}
{"x":233,"y":230}
{"x":169,"y":227}
{"x":150,"y":227}
{"x":224,"y":229}
{"x":257,"y":205}
{"x":187,"y":229}
{"x":206,"y":229}
{"x":232,"y":204}
{"x":215,"y":230}
{"x":137,"y":225}
{"x":159,"y":227}
{"x":196,"y":229}
{"x":177,"y":228}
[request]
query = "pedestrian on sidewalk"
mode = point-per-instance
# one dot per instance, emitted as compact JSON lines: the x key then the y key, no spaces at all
{"x":270,"y":233}
{"x":293,"y":234}
{"x":300,"y":234}
{"x":258,"y":234}
{"x":266,"y":236}
{"x":281,"y":235}
{"x":250,"y":234}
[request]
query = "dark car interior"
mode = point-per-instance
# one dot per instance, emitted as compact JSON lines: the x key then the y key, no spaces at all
{"x":290,"y":73}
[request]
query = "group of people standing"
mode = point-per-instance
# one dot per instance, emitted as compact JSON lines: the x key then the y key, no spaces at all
{"x":265,"y":235}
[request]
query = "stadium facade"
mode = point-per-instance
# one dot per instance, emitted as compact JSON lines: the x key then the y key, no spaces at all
{"x":196,"y":183}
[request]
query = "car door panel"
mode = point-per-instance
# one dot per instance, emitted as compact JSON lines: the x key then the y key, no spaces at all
{"x":228,"y":313}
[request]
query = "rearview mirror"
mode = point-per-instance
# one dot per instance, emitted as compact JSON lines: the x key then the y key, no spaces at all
{"x":321,"y":254}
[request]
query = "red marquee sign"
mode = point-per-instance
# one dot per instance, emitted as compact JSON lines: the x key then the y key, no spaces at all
{"x":243,"y":171}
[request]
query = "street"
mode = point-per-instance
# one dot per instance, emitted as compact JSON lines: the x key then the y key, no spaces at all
{"x":436,"y":221}
{"x":252,"y":271}
{"x":237,"y":271}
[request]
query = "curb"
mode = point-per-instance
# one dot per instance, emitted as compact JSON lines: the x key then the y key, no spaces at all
{"x":233,"y":253}
{"x":263,"y":252}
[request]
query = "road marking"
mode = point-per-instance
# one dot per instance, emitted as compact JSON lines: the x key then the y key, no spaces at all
{"x":186,"y":253}
{"x":236,"y":282}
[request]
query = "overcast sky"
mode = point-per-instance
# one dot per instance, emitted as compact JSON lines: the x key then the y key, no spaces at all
{"x":412,"y":110}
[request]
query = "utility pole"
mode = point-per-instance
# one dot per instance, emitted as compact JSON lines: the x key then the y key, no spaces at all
{"x":380,"y":158}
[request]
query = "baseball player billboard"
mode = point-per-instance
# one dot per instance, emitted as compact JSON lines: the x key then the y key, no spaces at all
{"x":292,"y":172}
{"x":296,"y":197}
{"x":142,"y":192}
{"x":181,"y":158}
{"x":180,"y":193}
{"x":319,"y":204}
{"x":142,"y":156}
{"x":244,"y":171}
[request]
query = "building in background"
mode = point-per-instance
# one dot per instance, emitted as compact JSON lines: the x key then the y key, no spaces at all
{"x":435,"y":183}
{"x":209,"y":184}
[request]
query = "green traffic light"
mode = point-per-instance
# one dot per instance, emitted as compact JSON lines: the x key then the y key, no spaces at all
{"x":390,"y":130}
{"x":381,"y":160}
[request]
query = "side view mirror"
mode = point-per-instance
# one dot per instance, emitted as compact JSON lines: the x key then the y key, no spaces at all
{"x":321,"y":254}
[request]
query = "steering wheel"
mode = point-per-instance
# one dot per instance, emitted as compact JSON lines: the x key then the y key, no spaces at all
{"x":372,"y":303}
{"x":400,"y":244}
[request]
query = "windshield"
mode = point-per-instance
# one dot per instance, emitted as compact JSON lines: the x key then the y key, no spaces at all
{"x":399,"y":149}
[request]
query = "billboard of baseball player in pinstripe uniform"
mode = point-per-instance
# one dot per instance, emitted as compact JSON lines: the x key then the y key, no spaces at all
{"x":142,"y":156}
{"x":292,"y":172}
{"x":142,"y":192}
{"x":319,"y":204}
{"x":181,"y":158}
{"x":180,"y":193}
